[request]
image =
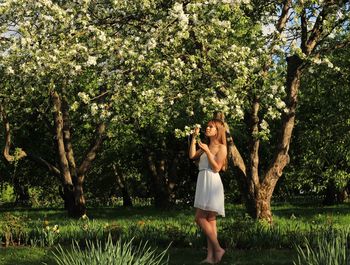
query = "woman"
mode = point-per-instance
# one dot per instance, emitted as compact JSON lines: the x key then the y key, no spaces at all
{"x":209,"y":198}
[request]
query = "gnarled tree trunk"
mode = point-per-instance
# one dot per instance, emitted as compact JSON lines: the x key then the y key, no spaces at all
{"x":72,"y":177}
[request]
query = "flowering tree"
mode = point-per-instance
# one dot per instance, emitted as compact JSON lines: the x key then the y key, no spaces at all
{"x":311,"y":32}
{"x":247,"y":60}
{"x":74,"y":58}
{"x":147,"y":62}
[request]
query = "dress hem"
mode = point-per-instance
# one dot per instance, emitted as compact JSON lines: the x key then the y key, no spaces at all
{"x":209,"y":209}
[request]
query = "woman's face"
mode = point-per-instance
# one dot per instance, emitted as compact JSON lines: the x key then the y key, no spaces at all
{"x":211,"y":129}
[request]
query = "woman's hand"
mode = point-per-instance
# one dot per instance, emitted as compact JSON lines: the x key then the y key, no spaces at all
{"x":196,"y":131}
{"x":204,"y":147}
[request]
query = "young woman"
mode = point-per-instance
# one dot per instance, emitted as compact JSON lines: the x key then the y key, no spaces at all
{"x":209,"y":198}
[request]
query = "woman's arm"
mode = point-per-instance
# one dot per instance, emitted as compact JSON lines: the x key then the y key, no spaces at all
{"x":193,"y":153}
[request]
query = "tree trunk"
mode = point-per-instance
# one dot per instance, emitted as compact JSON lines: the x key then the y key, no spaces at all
{"x":157,"y":170}
{"x":22,"y":192}
{"x":127,"y":201}
{"x":72,"y":177}
{"x":68,"y":186}
{"x":281,"y":159}
{"x":79,"y":199}
{"x":257,"y":192}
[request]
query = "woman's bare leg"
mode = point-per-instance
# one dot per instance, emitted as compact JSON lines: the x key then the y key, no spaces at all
{"x":210,"y":254}
{"x":215,"y":252}
{"x":210,"y":248}
{"x":218,"y":253}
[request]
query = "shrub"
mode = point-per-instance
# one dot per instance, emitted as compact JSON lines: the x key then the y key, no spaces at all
{"x":329,"y":248}
{"x":14,"y":229}
{"x":109,"y":254}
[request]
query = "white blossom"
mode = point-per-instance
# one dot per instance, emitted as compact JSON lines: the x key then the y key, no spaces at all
{"x":264,"y":125}
{"x":92,"y":60}
{"x":10,"y":70}
{"x":280,"y":104}
{"x":84,"y":97}
{"x":74,"y":106}
{"x":94,"y":108}
{"x":151,"y":44}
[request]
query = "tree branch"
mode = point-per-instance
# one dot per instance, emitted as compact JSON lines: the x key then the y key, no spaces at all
{"x":67,"y":140}
{"x":255,"y":143}
{"x":303,"y":30}
{"x":6,"y":151}
{"x":317,"y":30}
{"x":52,"y":169}
{"x":57,"y":106}
{"x":91,"y":154}
{"x":281,"y":24}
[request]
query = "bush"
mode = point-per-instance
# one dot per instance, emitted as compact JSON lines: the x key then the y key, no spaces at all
{"x":329,"y":248}
{"x":109,"y":254}
{"x":13,"y":229}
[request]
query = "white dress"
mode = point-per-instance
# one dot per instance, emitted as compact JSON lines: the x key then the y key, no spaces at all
{"x":209,"y":189}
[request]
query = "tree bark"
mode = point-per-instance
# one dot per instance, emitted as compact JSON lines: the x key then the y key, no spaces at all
{"x":73,"y":178}
{"x":62,"y":158}
{"x":157,"y":170}
{"x":22,"y":193}
{"x":6,"y":151}
{"x":281,"y":158}
{"x":127,"y":201}
{"x":68,"y":186}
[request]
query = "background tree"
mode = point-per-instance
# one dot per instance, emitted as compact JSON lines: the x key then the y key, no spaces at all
{"x":320,"y":150}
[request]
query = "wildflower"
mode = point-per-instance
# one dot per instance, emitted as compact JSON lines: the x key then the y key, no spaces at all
{"x":141,"y":223}
{"x":85,"y":217}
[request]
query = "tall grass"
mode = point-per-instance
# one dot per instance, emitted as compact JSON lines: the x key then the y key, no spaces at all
{"x":331,"y":247}
{"x":109,"y":254}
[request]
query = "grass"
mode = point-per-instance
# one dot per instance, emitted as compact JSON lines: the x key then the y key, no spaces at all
{"x":25,"y":256}
{"x":248,"y":242}
{"x":178,"y":256}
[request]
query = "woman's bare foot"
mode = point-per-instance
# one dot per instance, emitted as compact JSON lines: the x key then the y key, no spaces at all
{"x":218,"y":255}
{"x":208,"y":261}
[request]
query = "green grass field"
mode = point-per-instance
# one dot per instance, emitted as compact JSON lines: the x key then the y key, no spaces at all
{"x":247,"y":242}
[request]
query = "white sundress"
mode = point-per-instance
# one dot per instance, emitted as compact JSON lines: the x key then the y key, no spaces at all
{"x":209,"y":189}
